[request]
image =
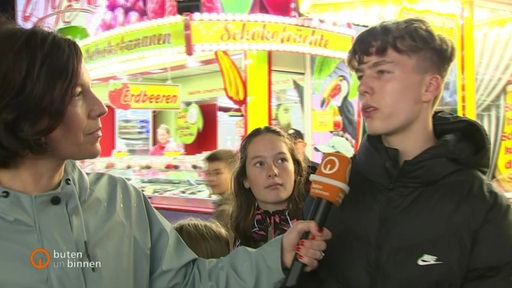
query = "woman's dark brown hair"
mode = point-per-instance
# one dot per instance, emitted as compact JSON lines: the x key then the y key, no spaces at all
{"x":39,"y":72}
{"x":244,"y":209}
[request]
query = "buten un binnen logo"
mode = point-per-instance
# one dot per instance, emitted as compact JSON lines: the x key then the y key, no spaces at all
{"x":39,"y":254}
{"x":330,"y":165}
{"x":426,"y":259}
{"x":41,"y":258}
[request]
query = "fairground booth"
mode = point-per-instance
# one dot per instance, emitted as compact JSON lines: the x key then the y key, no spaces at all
{"x":212,"y":71}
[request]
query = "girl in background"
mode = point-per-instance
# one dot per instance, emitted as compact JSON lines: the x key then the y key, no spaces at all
{"x":268,"y":187}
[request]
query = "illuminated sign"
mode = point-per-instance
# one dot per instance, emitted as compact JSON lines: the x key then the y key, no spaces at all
{"x":147,"y":38}
{"x":262,"y":33}
{"x":56,"y":14}
{"x":503,"y":170}
{"x":124,"y":95}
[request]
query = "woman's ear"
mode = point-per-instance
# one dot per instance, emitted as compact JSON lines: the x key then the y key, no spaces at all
{"x":246,"y":185}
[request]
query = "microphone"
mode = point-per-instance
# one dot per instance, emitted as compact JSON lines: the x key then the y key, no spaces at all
{"x":328,"y":186}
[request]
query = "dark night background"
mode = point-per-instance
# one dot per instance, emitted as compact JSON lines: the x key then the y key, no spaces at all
{"x":7,"y":8}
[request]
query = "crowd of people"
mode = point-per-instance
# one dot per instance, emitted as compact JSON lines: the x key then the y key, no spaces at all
{"x":420,"y":212}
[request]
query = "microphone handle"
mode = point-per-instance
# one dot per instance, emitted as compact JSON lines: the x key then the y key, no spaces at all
{"x":321,"y":209}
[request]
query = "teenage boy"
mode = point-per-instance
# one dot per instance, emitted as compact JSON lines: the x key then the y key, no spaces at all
{"x":420,"y":212}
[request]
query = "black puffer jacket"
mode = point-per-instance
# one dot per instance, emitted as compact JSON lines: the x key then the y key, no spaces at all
{"x":433,"y":222}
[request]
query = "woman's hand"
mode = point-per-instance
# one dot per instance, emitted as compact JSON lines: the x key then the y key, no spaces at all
{"x":310,"y":250}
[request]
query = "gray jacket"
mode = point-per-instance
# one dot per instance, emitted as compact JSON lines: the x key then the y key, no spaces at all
{"x":97,"y":230}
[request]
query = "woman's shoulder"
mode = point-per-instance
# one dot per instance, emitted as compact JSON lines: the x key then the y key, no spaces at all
{"x":99,"y":183}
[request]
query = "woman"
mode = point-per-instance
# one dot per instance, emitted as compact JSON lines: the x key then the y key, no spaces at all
{"x":165,"y":142}
{"x":63,"y":228}
{"x":268,"y":187}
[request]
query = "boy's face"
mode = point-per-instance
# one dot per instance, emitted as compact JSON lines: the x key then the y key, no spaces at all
{"x":218,"y":177}
{"x":393,"y":94}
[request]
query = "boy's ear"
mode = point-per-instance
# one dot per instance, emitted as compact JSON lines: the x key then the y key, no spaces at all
{"x":433,"y":86}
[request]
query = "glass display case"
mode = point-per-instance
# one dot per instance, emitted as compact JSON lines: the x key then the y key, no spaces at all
{"x":174,"y":185}
{"x":133,"y":132}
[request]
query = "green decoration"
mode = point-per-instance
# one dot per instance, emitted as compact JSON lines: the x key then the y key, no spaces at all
{"x":76,"y":33}
{"x":236,"y":6}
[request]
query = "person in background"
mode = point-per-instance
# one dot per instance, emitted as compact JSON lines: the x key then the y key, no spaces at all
{"x":165,"y":142}
{"x":207,"y":238}
{"x":283,"y":116}
{"x":53,"y":215}
{"x":220,"y":165}
{"x":420,"y":212}
{"x":300,"y":148}
{"x":268,"y":187}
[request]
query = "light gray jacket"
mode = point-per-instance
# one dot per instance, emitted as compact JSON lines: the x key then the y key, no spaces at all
{"x":129,"y":243}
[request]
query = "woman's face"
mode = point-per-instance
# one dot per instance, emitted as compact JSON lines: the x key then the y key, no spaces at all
{"x":270,"y":172}
{"x":78,"y":136}
{"x":162,"y":136}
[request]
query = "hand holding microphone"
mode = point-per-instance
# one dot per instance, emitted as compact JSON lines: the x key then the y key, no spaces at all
{"x":328,"y":186}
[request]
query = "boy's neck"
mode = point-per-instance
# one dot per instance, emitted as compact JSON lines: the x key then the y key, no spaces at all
{"x":411,"y":142}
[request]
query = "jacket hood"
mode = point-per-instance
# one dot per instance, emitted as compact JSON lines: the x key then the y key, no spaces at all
{"x":466,"y":140}
{"x":462,"y":143}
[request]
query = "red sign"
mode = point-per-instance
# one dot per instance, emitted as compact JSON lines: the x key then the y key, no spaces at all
{"x":127,"y":95}
{"x":53,"y":14}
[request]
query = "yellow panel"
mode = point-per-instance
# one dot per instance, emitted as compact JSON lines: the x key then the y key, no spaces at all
{"x":258,"y":90}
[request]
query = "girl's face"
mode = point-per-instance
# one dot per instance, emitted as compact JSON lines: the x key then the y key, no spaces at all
{"x":78,"y":136}
{"x":270,"y":172}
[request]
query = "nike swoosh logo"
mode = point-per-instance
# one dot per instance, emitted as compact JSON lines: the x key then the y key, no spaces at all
{"x":427,"y":262}
{"x":427,"y":259}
